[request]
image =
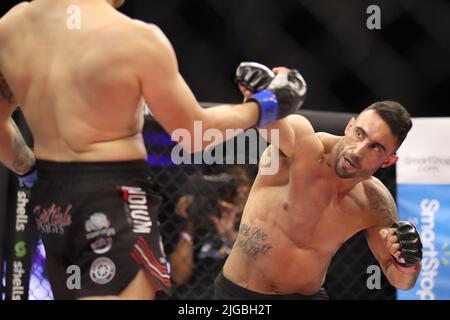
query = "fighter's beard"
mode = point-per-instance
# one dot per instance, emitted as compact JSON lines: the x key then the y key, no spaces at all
{"x":340,"y":171}
{"x":339,"y":154}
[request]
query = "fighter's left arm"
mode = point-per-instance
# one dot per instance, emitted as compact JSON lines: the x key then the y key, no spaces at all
{"x":395,"y":245}
{"x":14,"y":153}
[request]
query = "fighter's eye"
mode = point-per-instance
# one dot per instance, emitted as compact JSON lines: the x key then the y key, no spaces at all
{"x":376,"y":147}
{"x":359,"y":133}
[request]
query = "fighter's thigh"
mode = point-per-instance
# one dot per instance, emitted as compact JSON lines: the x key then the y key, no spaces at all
{"x":141,"y":287}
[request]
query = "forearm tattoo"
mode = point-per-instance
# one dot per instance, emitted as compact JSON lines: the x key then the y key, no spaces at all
{"x":5,"y":91}
{"x":23,"y":156}
{"x":252,"y":240}
{"x":388,"y":265}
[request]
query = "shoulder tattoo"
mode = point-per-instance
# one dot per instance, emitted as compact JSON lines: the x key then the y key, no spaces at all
{"x":381,"y":200}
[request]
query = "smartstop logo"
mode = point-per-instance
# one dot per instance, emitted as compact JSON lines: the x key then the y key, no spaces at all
{"x":247,"y":144}
{"x":430,"y":262}
{"x":431,"y":164}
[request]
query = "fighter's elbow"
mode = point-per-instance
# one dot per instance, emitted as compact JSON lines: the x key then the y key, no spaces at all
{"x":403,"y":285}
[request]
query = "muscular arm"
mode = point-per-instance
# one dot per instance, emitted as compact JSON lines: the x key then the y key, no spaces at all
{"x":295,"y":134}
{"x":279,"y":133}
{"x":382,"y":205}
{"x":14,"y":153}
{"x":173,"y":103}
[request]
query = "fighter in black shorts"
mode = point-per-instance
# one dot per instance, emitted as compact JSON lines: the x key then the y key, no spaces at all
{"x":83,"y":99}
{"x":102,"y":218}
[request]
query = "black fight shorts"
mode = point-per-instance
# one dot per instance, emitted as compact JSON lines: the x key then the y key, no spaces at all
{"x":99,"y":226}
{"x":225,"y":289}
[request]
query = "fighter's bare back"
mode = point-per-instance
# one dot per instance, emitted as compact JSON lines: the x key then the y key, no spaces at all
{"x":90,"y":92}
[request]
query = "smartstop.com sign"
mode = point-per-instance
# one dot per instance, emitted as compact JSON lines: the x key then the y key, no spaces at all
{"x":428,"y":207}
{"x":428,"y":165}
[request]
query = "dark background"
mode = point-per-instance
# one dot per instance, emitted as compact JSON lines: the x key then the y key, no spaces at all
{"x":347,"y":66}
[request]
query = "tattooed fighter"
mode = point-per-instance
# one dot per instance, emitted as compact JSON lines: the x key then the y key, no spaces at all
{"x":323,"y":194}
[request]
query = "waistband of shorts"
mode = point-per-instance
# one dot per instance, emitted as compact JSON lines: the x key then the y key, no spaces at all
{"x":53,"y":169}
{"x":243,"y":293}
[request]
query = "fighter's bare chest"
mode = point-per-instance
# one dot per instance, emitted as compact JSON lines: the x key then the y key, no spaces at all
{"x":315,"y":215}
{"x":304,"y":205}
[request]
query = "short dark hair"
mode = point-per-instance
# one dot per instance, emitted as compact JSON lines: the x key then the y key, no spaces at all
{"x":396,"y":117}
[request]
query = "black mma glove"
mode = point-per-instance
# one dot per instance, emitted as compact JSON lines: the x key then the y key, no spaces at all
{"x":253,"y":76}
{"x":410,"y":246}
{"x":277,"y":96}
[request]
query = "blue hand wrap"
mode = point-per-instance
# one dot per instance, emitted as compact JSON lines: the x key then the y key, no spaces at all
{"x":268,"y":107}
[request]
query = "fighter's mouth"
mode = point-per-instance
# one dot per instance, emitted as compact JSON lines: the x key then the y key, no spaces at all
{"x":349,"y":163}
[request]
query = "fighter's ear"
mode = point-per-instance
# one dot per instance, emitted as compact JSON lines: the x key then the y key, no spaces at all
{"x":350,"y":124}
{"x":392,"y":159}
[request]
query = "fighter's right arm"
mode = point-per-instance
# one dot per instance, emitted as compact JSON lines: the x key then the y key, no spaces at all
{"x":285,"y":133}
{"x":172,"y":102}
{"x":14,"y":153}
{"x":294,"y":133}
{"x":279,"y":133}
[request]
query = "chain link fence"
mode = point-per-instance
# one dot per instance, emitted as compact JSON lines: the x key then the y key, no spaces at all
{"x":39,"y":285}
